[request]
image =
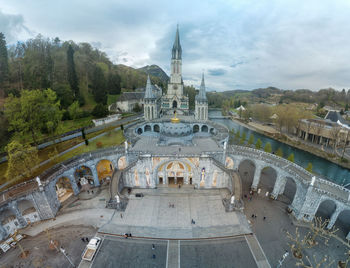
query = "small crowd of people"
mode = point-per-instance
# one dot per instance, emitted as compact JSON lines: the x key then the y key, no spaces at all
{"x":126,"y":235}
{"x":85,"y":239}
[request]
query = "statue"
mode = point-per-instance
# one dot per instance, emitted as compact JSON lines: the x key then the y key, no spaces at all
{"x":232,"y":199}
{"x":118,"y":198}
{"x":38,"y":181}
{"x":126,"y":145}
{"x":175,"y":119}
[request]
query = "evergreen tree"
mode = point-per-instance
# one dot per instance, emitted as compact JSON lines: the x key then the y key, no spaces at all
{"x":268,"y":148}
{"x":279,"y":152}
{"x":291,"y":157}
{"x":113,"y":83}
{"x":237,"y":135}
{"x":244,"y":136}
{"x":100,"y":110}
{"x":99,"y":86}
{"x":4,"y":66}
{"x":72,"y":75}
{"x":309,"y":167}
{"x":251,"y":139}
{"x":258,"y":144}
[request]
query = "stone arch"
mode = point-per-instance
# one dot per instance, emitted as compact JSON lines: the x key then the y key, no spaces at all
{"x":326,"y":208}
{"x":159,"y":168}
{"x":104,"y":169}
{"x":64,"y":189}
{"x":290,"y":190}
{"x":246,"y":170}
{"x":84,"y":176}
{"x":28,"y":211}
{"x":156,"y":128}
{"x":122,"y":162}
{"x":9,"y":221}
{"x":139,"y":131}
{"x":343,"y":223}
{"x":229,"y":163}
{"x":148,"y":128}
{"x":268,"y":177}
{"x":195,"y":128}
{"x":174,"y":104}
{"x":204,"y":128}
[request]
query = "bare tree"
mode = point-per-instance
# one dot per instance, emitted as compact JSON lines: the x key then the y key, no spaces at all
{"x":318,"y":234}
{"x":335,"y":134}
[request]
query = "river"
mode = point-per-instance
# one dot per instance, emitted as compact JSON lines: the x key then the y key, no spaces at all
{"x":323,"y":167}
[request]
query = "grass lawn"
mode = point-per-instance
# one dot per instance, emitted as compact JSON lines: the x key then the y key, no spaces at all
{"x":69,"y":125}
{"x":112,"y":138}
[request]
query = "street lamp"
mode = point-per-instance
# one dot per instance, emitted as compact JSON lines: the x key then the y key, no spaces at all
{"x":347,"y":135}
{"x":284,"y":256}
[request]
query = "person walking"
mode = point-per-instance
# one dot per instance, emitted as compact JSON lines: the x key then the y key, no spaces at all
{"x":153,"y":247}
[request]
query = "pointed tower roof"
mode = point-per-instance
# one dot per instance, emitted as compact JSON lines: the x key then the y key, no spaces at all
{"x":202,"y":95}
{"x":149,"y":91}
{"x":177,"y":51}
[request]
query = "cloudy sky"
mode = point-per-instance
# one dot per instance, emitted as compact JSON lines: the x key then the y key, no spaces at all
{"x":237,"y":44}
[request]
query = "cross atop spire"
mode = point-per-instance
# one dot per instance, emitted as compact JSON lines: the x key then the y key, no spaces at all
{"x":177,"y":51}
{"x":149,"y":91}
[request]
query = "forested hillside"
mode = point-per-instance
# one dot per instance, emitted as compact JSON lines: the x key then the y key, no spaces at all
{"x":81,"y":76}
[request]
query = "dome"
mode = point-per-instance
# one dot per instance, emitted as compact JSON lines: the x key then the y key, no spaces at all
{"x":176,"y":129}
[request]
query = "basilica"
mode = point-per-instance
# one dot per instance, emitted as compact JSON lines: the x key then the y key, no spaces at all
{"x":157,"y":105}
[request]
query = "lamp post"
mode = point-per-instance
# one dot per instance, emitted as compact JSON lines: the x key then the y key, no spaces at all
{"x":284,"y":256}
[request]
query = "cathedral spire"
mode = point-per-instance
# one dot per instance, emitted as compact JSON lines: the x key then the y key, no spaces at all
{"x":202,"y":94}
{"x":149,"y":91}
{"x":177,"y":51}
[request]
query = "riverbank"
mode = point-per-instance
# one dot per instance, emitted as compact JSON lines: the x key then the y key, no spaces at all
{"x":274,"y":134}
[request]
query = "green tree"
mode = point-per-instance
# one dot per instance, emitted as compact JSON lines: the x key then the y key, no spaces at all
{"x":243,"y":138}
{"x":258,"y":144}
{"x":35,"y":112}
{"x":99,"y":86}
{"x":100,"y":110}
{"x":22,"y":158}
{"x":279,"y":152}
{"x":74,"y":110}
{"x":309,"y":167}
{"x":268,"y":148}
{"x":251,"y":139}
{"x":72,"y":75}
{"x":113,"y":83}
{"x":4,"y":66}
{"x":291,"y":157}
{"x":237,"y":135}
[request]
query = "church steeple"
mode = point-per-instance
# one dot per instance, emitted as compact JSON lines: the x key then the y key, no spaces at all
{"x":149,"y":91}
{"x":202,"y":95}
{"x":177,"y":51}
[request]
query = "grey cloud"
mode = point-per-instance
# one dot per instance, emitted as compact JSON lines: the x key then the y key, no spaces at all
{"x":217,"y":72}
{"x":12,"y":26}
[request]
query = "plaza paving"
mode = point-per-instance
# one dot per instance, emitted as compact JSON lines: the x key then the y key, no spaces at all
{"x":167,"y":213}
{"x":121,"y":252}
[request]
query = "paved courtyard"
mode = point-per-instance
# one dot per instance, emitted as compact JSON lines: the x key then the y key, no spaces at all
{"x":168,"y":212}
{"x":129,"y":253}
